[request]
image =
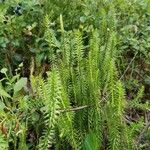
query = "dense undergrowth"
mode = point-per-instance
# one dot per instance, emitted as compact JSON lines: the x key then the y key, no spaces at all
{"x":75,"y":74}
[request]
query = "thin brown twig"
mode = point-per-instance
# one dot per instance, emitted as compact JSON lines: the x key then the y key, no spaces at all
{"x":128,"y":66}
{"x":146,"y":127}
{"x":83,"y":107}
{"x":78,"y":108}
{"x":75,"y":108}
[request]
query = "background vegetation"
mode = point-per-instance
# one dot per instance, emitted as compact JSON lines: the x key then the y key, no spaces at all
{"x":75,"y":74}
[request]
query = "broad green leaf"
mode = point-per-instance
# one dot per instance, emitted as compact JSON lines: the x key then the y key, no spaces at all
{"x":83,"y":19}
{"x":14,"y":78}
{"x":4,"y":93}
{"x":2,"y":105}
{"x":20,"y":84}
{"x":4,"y":70}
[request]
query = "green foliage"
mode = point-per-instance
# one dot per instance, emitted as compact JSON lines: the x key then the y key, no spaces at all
{"x":77,"y":54}
{"x":4,"y":143}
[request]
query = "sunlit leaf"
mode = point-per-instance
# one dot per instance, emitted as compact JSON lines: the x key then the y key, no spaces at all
{"x":4,"y":93}
{"x":20,"y":84}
